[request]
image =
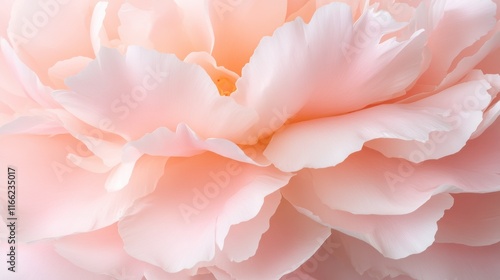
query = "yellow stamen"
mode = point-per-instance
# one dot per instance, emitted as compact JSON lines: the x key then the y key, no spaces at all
{"x":225,"y":86}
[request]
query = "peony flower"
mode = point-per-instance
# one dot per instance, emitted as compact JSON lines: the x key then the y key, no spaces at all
{"x":224,"y":139}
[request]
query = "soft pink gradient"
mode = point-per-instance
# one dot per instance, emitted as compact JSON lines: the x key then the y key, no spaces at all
{"x":229,"y":139}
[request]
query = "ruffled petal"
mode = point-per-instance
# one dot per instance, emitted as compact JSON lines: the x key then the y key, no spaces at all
{"x":454,"y":26}
{"x":101,"y":252}
{"x":440,"y":261}
{"x":331,"y":140}
{"x":143,"y":90}
{"x":395,"y":236}
{"x":199,"y":208}
{"x":354,"y":68}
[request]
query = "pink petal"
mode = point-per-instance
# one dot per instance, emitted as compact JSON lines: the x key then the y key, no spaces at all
{"x":105,"y":145}
{"x":11,"y":90}
{"x":378,"y":191}
{"x":101,"y":252}
{"x":294,"y":6}
{"x":395,"y":236}
{"x":5,"y":17}
{"x":184,"y":142}
{"x":291,"y":239}
{"x":454,"y":26}
{"x":40,"y":261}
{"x":440,"y":261}
{"x":305,"y":12}
{"x":466,"y":101}
{"x":219,"y":273}
{"x":144,"y":90}
{"x":243,"y":239}
{"x":328,"y":263}
{"x":28,"y":80}
{"x":98,"y":34}
{"x":395,"y":186}
{"x":60,"y":198}
{"x":331,"y":140}
{"x":187,"y":211}
{"x":474,"y":220}
{"x":350,"y":75}
{"x":489,"y":63}
{"x":177,"y":27}
{"x":66,"y":68}
{"x":111,"y":21}
{"x":224,"y":79}
{"x":163,"y":142}
{"x":232,"y":19}
{"x":484,"y":52}
{"x":489,"y":117}
{"x":34,"y":122}
{"x":46,"y":32}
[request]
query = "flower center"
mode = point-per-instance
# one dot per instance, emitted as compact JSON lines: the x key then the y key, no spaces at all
{"x":226,"y":85}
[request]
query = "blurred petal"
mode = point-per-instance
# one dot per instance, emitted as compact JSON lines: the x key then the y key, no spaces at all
{"x":40,"y":261}
{"x":454,"y":26}
{"x":440,"y":261}
{"x":184,"y":142}
{"x":485,"y":51}
{"x":55,"y":183}
{"x":46,"y":32}
{"x":331,"y":140}
{"x":466,"y":101}
{"x":474,"y":220}
{"x":66,"y":68}
{"x":328,"y":263}
{"x":376,"y":192}
{"x":233,"y":18}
